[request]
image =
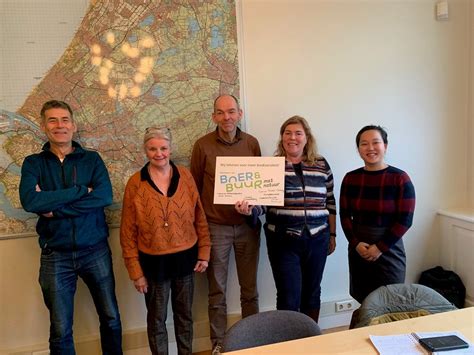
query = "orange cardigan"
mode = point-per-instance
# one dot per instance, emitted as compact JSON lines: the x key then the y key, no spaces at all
{"x":145,"y":212}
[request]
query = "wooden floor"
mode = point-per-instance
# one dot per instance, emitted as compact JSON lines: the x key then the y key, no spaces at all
{"x":324,"y":331}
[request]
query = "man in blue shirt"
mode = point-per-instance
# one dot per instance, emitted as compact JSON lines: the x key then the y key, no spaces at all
{"x":68,"y":188}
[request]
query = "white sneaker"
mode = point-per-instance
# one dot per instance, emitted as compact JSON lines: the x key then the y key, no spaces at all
{"x":217,"y":349}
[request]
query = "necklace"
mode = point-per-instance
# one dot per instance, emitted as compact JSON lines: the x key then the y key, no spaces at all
{"x":164,"y":209}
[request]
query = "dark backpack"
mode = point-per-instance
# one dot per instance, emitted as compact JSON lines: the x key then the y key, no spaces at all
{"x":445,"y":282}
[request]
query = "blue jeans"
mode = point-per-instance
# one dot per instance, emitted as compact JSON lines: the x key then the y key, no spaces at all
{"x":156,"y":299}
{"x":297,"y":265}
{"x":58,"y":279}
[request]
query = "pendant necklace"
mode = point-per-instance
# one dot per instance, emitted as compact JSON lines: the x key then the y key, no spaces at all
{"x":165,"y":214}
{"x":164,"y":210}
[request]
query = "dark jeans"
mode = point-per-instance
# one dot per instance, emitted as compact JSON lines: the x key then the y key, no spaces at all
{"x":156,"y":299}
{"x":297,"y":265}
{"x":58,"y":279}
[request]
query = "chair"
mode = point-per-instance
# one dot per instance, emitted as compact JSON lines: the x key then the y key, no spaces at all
{"x":399,"y":301}
{"x":268,"y":328}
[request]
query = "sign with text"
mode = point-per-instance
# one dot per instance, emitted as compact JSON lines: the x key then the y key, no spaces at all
{"x":259,"y":180}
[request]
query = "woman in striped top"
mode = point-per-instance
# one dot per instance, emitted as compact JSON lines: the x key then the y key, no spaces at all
{"x":301,"y":233}
{"x":376,"y":209}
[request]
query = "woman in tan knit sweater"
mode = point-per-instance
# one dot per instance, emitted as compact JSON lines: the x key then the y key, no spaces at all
{"x":165,"y":239}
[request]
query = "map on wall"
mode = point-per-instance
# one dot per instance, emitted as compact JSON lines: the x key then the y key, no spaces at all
{"x":131,"y":64}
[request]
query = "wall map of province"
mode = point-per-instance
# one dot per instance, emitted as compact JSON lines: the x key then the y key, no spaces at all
{"x":131,"y":65}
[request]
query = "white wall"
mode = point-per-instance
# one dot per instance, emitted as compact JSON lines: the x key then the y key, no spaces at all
{"x":457,"y":244}
{"x":345,"y":64}
{"x":341,"y":64}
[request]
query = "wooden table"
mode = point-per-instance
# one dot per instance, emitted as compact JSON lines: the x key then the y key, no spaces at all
{"x":356,"y":341}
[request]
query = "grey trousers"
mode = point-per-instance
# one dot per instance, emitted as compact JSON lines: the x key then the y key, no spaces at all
{"x":367,"y":276}
{"x":156,"y":299}
{"x":246,"y":243}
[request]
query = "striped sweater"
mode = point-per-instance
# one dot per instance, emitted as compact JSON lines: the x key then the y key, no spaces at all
{"x":309,"y":199}
{"x":383,"y":198}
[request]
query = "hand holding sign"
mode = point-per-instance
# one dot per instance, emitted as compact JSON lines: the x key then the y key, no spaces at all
{"x":243,"y":207}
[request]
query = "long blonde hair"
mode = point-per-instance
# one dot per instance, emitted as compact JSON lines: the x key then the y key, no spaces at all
{"x":310,"y":154}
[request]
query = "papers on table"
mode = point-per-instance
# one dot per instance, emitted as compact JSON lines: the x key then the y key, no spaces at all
{"x":407,"y":344}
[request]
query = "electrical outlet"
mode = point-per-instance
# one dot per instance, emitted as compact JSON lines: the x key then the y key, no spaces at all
{"x":345,"y":305}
